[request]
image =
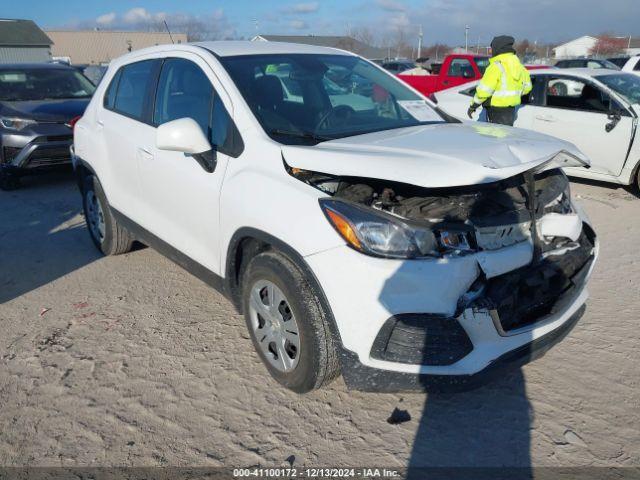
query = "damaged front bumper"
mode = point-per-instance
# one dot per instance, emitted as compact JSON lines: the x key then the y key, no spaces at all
{"x":452,"y":323}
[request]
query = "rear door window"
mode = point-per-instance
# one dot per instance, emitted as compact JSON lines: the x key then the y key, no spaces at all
{"x":132,"y":89}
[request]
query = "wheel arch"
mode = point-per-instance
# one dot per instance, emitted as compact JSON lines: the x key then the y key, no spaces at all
{"x":247,"y":242}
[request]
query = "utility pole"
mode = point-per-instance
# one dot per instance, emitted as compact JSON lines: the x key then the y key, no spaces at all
{"x":420,"y":35}
{"x":466,"y":38}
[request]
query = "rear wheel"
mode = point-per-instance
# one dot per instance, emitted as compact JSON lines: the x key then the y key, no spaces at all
{"x":287,"y":323}
{"x":107,"y":235}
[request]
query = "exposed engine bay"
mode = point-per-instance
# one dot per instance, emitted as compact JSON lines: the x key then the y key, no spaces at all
{"x":486,"y":218}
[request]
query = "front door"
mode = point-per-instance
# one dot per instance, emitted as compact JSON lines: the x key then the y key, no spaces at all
{"x":578,"y":111}
{"x":181,"y":198}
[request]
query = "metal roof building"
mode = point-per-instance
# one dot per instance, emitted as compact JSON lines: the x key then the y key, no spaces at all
{"x":22,"y":41}
{"x":341,"y":42}
{"x":101,"y":46}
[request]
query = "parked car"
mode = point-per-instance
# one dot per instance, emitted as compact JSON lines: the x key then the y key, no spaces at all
{"x":619,"y":61}
{"x":37,"y":104}
{"x":456,"y":69}
{"x":597,"y":110}
{"x":587,"y":63}
{"x":398,"y":66}
{"x":632,"y":65}
{"x":94,"y":73}
{"x":395,"y":244}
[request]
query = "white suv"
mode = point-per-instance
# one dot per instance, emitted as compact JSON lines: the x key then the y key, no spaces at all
{"x":361,"y":230}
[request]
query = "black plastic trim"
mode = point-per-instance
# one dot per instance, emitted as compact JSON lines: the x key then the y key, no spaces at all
{"x":421,"y":339}
{"x":361,"y":377}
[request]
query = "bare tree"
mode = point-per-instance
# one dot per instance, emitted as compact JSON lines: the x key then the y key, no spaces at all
{"x":607,"y":45}
{"x":364,"y":35}
{"x":522,"y":48}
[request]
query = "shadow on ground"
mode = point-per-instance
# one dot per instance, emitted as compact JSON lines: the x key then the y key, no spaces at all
{"x":42,"y":234}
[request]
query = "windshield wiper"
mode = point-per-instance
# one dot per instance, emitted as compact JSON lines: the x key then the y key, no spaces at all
{"x":300,"y":134}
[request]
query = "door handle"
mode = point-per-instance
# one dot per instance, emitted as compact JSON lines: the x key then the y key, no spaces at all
{"x":545,"y":118}
{"x":145,"y":153}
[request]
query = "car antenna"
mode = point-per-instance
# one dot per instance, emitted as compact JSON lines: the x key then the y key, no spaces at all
{"x":167,"y":27}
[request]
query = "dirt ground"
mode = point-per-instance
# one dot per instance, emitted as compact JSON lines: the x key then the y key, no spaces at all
{"x":135,"y":362}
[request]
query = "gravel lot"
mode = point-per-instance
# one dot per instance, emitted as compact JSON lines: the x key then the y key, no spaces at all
{"x":136,"y":362}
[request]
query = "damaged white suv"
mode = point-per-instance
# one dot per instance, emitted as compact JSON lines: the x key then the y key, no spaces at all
{"x":358,"y":228}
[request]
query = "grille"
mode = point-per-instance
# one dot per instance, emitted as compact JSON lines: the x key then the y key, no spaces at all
{"x":527,"y":295}
{"x":45,"y":156}
{"x":53,"y":138}
{"x":421,"y":339}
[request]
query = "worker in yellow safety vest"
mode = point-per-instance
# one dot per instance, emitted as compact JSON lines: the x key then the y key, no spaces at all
{"x":504,"y":82}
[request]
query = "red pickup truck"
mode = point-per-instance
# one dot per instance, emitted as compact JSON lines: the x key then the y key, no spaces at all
{"x":455,"y":70}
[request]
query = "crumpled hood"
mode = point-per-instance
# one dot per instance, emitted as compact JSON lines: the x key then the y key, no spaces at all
{"x":45,"y":110}
{"x":433,"y":156}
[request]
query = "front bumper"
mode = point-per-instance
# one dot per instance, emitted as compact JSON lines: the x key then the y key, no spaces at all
{"x":46,"y":146}
{"x":383,"y":289}
{"x":361,"y":377}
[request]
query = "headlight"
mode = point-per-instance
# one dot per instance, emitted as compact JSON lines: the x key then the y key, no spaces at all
{"x":384,"y":235}
{"x":16,"y":123}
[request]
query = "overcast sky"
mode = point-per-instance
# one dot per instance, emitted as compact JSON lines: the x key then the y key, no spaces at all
{"x":442,"y":20}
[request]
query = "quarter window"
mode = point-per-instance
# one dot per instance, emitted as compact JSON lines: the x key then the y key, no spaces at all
{"x":110,"y":95}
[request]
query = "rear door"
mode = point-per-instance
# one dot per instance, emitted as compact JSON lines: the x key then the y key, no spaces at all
{"x":576,"y":110}
{"x":122,"y":119}
{"x":180,"y":198}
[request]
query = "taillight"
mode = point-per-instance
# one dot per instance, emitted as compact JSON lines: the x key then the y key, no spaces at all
{"x":73,"y":121}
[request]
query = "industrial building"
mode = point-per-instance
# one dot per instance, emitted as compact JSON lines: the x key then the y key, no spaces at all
{"x":95,"y":47}
{"x":22,"y":41}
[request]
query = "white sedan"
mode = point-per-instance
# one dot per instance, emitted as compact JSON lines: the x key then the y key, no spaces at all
{"x":597,"y":110}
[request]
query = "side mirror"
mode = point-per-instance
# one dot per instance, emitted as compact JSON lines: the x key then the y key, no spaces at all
{"x":614,"y":117}
{"x":182,"y":135}
{"x":185,"y":135}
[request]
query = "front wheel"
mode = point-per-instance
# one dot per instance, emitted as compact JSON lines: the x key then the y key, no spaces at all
{"x":107,"y":234}
{"x":287,"y":323}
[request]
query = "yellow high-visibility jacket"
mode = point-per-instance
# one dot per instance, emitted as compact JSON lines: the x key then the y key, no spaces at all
{"x":505,"y":81}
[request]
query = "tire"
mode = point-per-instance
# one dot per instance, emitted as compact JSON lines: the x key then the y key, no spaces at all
{"x":310,"y":359}
{"x":107,"y":235}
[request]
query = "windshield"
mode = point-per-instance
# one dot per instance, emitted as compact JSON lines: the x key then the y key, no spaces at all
{"x":482,"y":63}
{"x":306,"y":99}
{"x":43,"y":84}
{"x":625,"y":84}
{"x":608,"y":64}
